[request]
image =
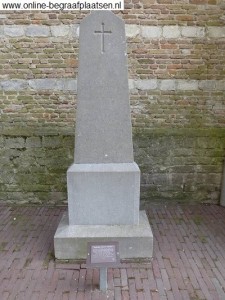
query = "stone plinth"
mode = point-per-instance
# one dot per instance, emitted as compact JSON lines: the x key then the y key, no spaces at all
{"x":135,"y":241}
{"x":103,"y":194}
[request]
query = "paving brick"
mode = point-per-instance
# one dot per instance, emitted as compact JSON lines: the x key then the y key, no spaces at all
{"x":219,"y":288}
{"x":125,"y":295}
{"x":160,"y":287}
{"x":146,"y":288}
{"x":181,"y":268}
{"x":185,"y":295}
{"x":170,"y":295}
{"x":132,"y":289}
{"x":156,"y":269}
{"x":143,"y":273}
{"x":117,"y":292}
{"x":204,"y":288}
{"x":140,"y":296}
{"x":124,"y":281}
{"x":165,"y":279}
{"x":169,"y":268}
{"x":193,"y":278}
{"x":110,"y":279}
{"x":155,"y":296}
{"x":175,"y":288}
{"x":138,"y":281}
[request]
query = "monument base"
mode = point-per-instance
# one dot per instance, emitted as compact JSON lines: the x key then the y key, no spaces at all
{"x":135,"y":241}
{"x":103,"y":194}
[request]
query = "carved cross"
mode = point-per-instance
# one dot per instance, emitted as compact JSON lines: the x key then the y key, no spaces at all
{"x":103,"y":32}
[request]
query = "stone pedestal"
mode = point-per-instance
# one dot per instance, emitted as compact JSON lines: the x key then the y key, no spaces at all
{"x":103,"y":194}
{"x":135,"y":241}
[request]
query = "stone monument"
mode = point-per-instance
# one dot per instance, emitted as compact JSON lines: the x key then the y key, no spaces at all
{"x":104,"y":181}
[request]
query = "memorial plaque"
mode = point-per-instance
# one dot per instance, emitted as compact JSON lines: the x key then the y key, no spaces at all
{"x":103,"y":254}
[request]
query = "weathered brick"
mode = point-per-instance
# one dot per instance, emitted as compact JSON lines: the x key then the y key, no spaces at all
{"x":52,"y":142}
{"x":15,"y":143}
{"x":33,"y":142}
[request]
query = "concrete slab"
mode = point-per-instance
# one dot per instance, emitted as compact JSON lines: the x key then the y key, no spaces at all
{"x":135,"y":241}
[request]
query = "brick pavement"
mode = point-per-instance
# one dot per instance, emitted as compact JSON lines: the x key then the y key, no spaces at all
{"x":188,"y":263}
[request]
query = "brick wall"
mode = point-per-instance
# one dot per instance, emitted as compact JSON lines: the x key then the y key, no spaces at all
{"x":176,"y":57}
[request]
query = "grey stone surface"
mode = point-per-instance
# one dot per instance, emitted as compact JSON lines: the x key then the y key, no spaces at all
{"x":151,"y":32}
{"x":186,"y":85}
{"x":46,"y":84}
{"x":33,"y":142}
{"x":74,"y":32}
{"x":222,"y":195}
{"x":216,"y":31}
{"x":146,"y":84}
{"x":15,"y":143}
{"x":207,"y":84}
{"x":192,"y":32}
{"x":220,"y":85}
{"x":135,"y":241}
{"x":14,"y":31}
{"x":68,"y":84}
{"x":132,"y":30}
{"x":13,"y":85}
{"x":37,"y":30}
{"x":103,"y":194}
{"x":42,"y":84}
{"x":171,"y":32}
{"x":63,"y":30}
{"x":168,"y":85}
{"x":103,"y":128}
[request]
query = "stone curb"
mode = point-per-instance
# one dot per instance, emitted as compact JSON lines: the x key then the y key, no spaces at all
{"x":132,"y":30}
{"x":57,"y":84}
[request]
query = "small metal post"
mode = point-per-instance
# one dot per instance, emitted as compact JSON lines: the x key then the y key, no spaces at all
{"x":103,"y":279}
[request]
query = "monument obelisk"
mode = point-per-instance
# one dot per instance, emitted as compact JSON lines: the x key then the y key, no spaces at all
{"x":104,"y":181}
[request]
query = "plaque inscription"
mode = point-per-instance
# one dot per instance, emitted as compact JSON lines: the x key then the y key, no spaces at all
{"x":103,"y":254}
